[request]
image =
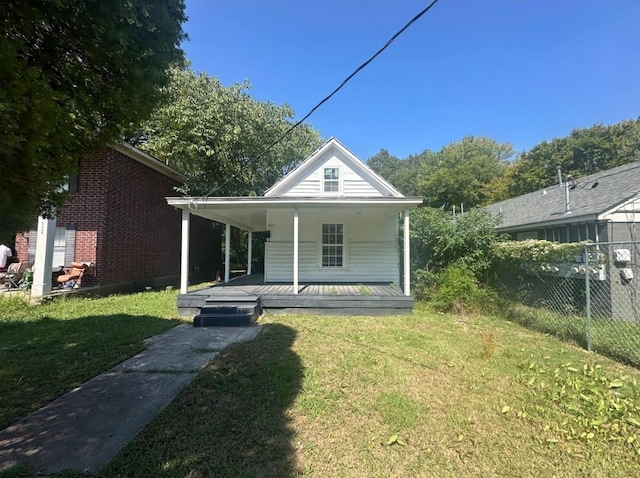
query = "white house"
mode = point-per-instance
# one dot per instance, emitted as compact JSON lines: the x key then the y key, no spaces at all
{"x":332,"y":219}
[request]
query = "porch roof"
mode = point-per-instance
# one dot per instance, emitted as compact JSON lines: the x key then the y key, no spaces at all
{"x":250,"y":212}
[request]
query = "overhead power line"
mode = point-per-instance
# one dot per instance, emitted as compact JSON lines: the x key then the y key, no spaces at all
{"x":344,"y":82}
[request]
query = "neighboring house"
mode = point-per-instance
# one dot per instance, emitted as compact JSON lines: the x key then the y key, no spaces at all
{"x":600,"y":208}
{"x":116,"y":218}
{"x":330,"y":220}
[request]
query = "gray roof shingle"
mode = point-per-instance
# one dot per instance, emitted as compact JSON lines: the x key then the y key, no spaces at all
{"x":547,"y":206}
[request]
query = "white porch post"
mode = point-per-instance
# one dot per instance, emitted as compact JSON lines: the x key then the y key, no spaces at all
{"x":184,"y":254}
{"x":407,"y":266}
{"x":249,"y":252}
{"x":44,"y":257}
{"x":295,"y":250}
{"x":227,"y":251}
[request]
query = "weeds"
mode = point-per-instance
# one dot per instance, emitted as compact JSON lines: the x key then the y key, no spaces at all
{"x":488,"y":345}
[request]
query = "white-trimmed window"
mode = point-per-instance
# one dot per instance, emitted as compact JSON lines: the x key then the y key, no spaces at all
{"x":332,"y":245}
{"x":331,"y":180}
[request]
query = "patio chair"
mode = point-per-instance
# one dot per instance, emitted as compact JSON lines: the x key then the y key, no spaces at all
{"x":73,"y":276}
{"x":12,"y":277}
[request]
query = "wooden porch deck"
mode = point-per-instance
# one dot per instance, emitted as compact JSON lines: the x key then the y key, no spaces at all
{"x":319,"y":298}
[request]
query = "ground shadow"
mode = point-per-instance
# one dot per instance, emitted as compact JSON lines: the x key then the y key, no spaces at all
{"x":41,"y":360}
{"x":230,"y":421}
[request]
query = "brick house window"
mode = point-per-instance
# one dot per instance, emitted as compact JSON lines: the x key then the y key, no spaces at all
{"x":64,"y":245}
{"x":332,"y":245}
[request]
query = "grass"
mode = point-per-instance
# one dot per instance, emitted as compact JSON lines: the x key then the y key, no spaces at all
{"x":48,"y":350}
{"x":425,"y":395}
{"x":617,"y":339}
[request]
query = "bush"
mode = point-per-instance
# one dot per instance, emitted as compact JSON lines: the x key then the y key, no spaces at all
{"x":439,"y":240}
{"x":423,"y":284}
{"x":457,"y":288}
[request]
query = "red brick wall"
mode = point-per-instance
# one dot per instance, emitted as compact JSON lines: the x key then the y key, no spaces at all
{"x":22,"y":246}
{"x":124,"y":224}
{"x":140,"y":238}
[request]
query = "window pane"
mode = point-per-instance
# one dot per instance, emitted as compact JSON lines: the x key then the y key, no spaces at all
{"x":331,"y":180}
{"x":332,"y":249}
{"x":331,"y":187}
{"x":330,"y":173}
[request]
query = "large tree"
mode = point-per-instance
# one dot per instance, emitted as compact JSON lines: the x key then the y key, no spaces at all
{"x":222,"y":139}
{"x":460,"y":172}
{"x":585,"y":151}
{"x":404,"y":174}
{"x":74,"y":74}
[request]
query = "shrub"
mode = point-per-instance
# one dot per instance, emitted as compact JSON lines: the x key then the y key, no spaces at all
{"x":423,"y":284}
{"x":457,"y":288}
{"x":439,"y":240}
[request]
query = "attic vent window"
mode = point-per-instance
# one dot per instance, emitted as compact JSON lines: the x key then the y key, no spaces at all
{"x":331,"y":180}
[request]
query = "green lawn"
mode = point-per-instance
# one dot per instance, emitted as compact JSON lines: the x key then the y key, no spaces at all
{"x":48,"y":350}
{"x":425,"y":395}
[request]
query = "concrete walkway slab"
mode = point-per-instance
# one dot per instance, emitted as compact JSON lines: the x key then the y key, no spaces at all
{"x":87,"y":427}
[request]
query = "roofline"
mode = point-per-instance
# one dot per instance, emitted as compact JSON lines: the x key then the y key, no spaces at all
{"x":293,"y":171}
{"x":614,"y":209}
{"x":288,"y":201}
{"x":148,"y":160}
{"x":364,"y":165}
{"x":299,"y":170}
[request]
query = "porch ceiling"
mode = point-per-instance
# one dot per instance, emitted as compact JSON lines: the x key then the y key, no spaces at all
{"x":250,"y":213}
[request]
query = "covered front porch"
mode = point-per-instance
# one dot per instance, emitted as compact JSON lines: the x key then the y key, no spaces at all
{"x":371,"y":298}
{"x":341,"y":256}
{"x":365,"y":244}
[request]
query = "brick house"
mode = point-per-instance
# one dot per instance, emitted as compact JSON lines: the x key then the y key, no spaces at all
{"x":117,"y":218}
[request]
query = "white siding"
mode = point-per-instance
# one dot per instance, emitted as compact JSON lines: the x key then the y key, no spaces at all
{"x":627,"y":212}
{"x":352,"y":184}
{"x":279,"y":256}
{"x":371,"y":251}
{"x":365,"y":262}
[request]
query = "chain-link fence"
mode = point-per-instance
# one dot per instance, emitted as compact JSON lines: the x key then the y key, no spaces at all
{"x":593,"y":301}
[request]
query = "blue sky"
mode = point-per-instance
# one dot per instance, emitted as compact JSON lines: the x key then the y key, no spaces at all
{"x":517,"y":71}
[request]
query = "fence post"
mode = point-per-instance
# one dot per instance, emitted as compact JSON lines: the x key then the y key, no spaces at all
{"x":587,"y":289}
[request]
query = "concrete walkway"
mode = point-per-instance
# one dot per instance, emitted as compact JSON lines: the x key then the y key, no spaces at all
{"x":88,"y":426}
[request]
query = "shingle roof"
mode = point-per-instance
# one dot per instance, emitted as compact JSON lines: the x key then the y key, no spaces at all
{"x":614,"y":187}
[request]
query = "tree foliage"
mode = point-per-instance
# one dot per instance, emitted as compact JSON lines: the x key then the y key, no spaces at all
{"x":404,"y":174}
{"x":585,"y":151}
{"x":219,"y":136}
{"x":458,"y":174}
{"x":438,"y":239}
{"x":479,"y":171}
{"x":74,"y":75}
{"x":451,"y":255}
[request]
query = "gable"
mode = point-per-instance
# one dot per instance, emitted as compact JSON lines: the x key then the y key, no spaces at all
{"x":332,"y":171}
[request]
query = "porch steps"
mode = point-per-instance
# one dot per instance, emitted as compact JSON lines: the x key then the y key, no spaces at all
{"x":229,"y":310}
